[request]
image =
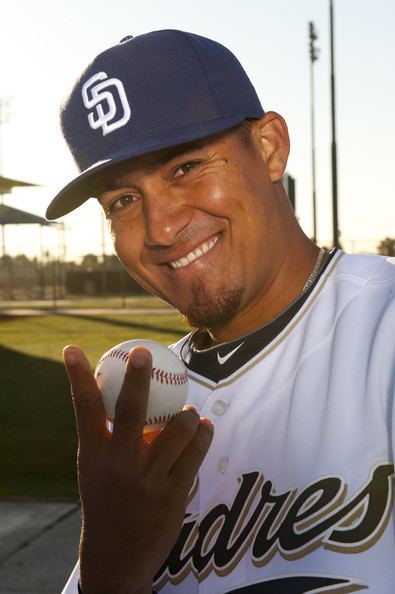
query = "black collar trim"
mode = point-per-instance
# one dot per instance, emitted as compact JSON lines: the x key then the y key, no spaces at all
{"x":219,"y":362}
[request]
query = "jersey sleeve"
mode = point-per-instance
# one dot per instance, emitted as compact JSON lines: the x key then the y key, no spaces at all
{"x":388,"y":354}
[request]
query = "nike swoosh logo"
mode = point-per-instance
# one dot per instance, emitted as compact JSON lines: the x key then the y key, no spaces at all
{"x":222,"y":360}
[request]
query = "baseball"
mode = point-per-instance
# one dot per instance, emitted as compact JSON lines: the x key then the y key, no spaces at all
{"x":168,"y":387}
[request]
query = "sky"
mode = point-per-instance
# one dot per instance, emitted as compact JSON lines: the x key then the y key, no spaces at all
{"x":45,"y":44}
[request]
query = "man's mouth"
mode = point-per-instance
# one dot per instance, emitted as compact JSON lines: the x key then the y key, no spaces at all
{"x":194,"y":254}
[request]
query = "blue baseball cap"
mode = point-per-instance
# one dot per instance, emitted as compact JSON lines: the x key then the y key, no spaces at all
{"x":146,"y":93}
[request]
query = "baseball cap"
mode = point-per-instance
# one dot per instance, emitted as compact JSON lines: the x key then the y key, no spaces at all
{"x":146,"y":93}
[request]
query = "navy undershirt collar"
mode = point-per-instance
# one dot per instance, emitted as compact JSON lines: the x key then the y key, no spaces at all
{"x":218,"y":362}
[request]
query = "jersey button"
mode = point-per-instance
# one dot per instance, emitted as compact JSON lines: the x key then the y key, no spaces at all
{"x":223,"y":464}
{"x":219,"y":407}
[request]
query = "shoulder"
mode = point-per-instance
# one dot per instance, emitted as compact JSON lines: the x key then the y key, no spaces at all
{"x":359,"y":293}
{"x":367,"y":269}
{"x":354,"y":301}
{"x":360,"y":278}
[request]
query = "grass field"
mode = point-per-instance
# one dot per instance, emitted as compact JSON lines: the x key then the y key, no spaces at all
{"x":84,"y":302}
{"x":37,"y":438}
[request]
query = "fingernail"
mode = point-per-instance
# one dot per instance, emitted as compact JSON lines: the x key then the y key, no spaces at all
{"x":192,"y":408}
{"x":69,"y":356}
{"x":139,"y":358}
{"x":208,"y":422}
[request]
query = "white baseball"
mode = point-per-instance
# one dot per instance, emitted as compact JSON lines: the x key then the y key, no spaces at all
{"x":168,"y":387}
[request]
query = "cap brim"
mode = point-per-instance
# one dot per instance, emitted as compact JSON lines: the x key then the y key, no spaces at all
{"x":79,"y":190}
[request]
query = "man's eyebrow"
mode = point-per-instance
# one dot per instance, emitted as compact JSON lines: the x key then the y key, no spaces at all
{"x":171,"y":153}
{"x":101,"y":184}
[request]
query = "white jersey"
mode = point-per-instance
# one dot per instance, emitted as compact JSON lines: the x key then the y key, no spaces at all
{"x":296,"y":493}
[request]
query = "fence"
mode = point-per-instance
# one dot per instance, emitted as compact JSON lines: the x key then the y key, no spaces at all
{"x":54,"y":282}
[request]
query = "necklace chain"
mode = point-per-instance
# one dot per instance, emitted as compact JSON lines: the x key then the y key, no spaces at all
{"x":316,"y":269}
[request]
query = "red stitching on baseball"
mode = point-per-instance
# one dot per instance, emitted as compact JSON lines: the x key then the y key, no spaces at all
{"x":172,"y":378}
{"x":115,"y":354}
{"x":159,"y":419}
{"x":168,"y":377}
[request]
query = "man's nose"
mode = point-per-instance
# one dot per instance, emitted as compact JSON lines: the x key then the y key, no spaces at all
{"x":166,"y":215}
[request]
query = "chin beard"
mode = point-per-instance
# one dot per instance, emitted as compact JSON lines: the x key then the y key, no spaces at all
{"x":209,"y":311}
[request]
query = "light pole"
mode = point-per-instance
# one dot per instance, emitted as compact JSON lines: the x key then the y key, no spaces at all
{"x":4,"y":118}
{"x":103,"y":254}
{"x":313,"y":57}
{"x":336,"y":233}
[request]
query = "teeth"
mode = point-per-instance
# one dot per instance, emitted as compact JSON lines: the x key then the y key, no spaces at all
{"x":195,"y":254}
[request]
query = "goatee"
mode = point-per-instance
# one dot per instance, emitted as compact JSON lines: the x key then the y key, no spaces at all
{"x":213,"y":311}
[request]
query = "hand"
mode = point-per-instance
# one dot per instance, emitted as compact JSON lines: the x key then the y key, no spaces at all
{"x":133,"y":494}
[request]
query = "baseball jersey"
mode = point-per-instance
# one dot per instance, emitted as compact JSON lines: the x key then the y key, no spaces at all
{"x":296,"y":492}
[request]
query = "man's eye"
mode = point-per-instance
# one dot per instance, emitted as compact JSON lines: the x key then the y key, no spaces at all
{"x":121,"y":202}
{"x":185,"y":168}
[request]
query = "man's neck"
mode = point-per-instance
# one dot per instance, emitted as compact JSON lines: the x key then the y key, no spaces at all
{"x":280,"y":293}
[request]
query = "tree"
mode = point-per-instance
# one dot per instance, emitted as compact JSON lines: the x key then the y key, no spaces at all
{"x":386,"y":247}
{"x":90,"y":262}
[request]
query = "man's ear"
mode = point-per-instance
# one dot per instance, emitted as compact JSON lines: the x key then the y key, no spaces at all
{"x":271,"y":135}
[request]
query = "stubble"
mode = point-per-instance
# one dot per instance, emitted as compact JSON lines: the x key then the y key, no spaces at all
{"x":213,"y":311}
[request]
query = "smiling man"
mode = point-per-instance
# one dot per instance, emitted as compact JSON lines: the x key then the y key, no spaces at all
{"x":179,"y":218}
{"x":291,"y":355}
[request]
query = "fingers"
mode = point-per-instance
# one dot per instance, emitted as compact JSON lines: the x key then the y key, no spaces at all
{"x":187,"y":466}
{"x":182,"y":445}
{"x":179,"y":449}
{"x":88,"y":406}
{"x":131,"y":406}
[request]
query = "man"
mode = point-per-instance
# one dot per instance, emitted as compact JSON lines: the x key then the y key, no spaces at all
{"x":292,"y":357}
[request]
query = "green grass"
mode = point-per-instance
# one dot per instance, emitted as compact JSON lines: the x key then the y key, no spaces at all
{"x":83,"y":302}
{"x":37,"y":438}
